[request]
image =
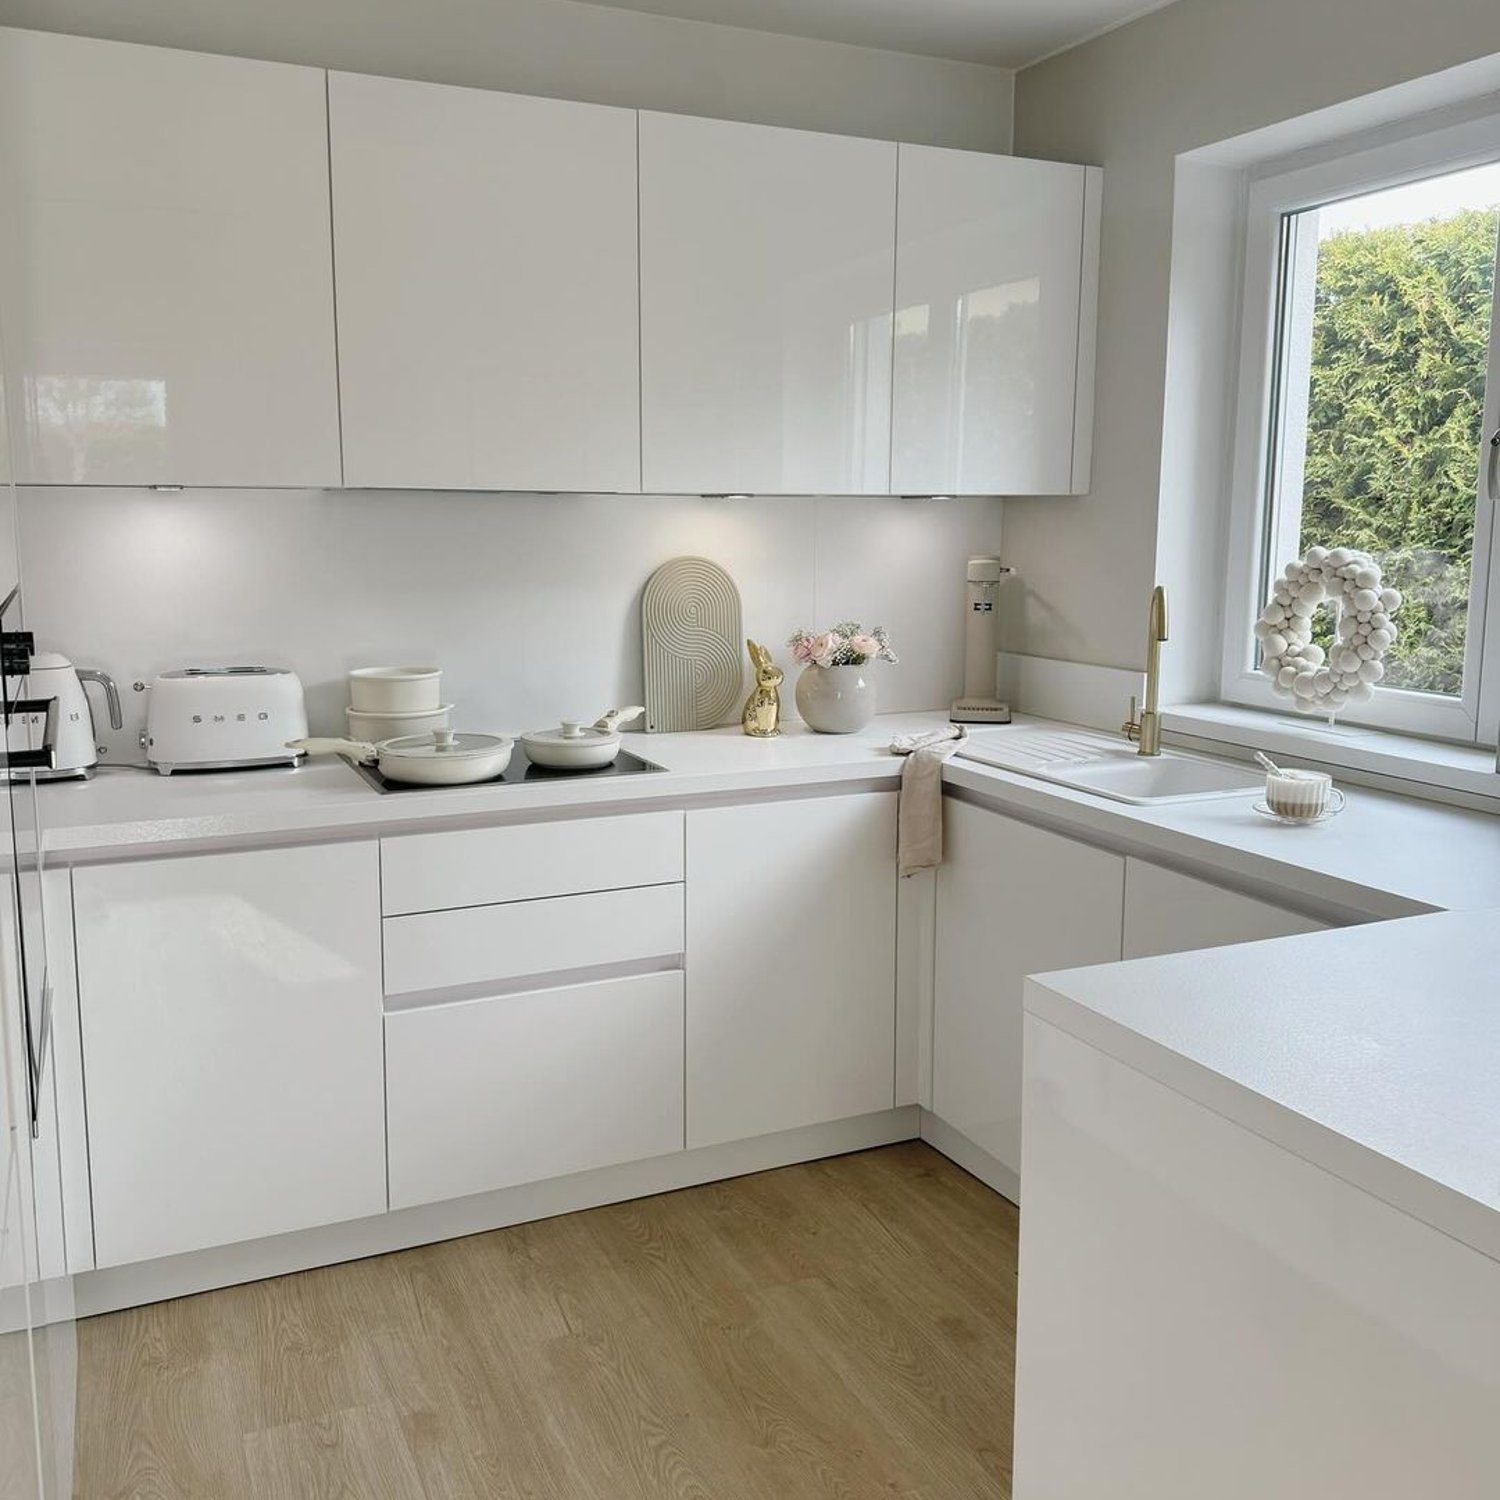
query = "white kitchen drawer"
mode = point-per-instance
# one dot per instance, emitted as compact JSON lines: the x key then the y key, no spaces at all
{"x":475,"y":867}
{"x":483,"y":1094}
{"x":479,"y":944}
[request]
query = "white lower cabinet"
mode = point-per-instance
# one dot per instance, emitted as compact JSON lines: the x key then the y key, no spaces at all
{"x":231,"y":1018}
{"x":791,"y":962}
{"x":1015,"y":900}
{"x":1012,"y":900}
{"x":488,"y":1093}
{"x":1170,"y":913}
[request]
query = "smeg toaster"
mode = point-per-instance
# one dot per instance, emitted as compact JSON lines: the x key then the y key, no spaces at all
{"x":223,"y":718}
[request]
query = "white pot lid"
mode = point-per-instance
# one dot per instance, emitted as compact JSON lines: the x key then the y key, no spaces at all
{"x":569,"y":735}
{"x":603,"y":731}
{"x":444,"y":744}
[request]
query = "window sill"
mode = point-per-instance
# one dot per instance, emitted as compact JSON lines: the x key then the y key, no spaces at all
{"x":1463,"y":774}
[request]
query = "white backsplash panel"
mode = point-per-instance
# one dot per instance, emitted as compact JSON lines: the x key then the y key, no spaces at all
{"x":530,"y":603}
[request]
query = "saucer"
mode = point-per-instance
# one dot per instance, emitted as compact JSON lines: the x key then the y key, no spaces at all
{"x":1266,"y":812}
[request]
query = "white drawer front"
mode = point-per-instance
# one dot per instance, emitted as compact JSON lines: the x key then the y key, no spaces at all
{"x":475,"y":867}
{"x":478,"y":944}
{"x":484,"y":1094}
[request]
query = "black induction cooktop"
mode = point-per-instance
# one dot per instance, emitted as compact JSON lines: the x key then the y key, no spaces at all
{"x":519,"y":771}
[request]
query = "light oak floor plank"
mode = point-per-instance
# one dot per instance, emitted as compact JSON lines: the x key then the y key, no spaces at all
{"x":840,"y":1330}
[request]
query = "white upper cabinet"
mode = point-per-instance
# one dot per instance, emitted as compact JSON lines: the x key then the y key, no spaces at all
{"x":766,"y":275}
{"x":487,"y":288}
{"x":167,"y":291}
{"x":996,"y":269}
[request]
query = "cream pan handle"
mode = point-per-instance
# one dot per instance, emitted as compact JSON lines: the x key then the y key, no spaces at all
{"x":611,"y":721}
{"x":359,"y":749}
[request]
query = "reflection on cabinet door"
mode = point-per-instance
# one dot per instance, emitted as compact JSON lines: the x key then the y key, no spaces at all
{"x":995,"y":265}
{"x":791,"y":964}
{"x":231,"y":1018}
{"x":1170,"y":913}
{"x":1012,"y":900}
{"x":487,"y":291}
{"x":766,"y":267}
{"x":168,"y":307}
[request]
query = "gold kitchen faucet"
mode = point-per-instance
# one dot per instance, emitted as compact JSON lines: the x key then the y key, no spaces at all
{"x":1146,"y":730}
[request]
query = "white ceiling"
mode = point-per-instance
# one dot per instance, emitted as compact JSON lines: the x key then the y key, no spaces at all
{"x":1002,"y":33}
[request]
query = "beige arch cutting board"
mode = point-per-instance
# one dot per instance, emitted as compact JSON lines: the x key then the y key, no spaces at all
{"x":690,"y":636}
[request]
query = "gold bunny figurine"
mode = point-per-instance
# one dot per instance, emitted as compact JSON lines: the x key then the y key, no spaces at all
{"x":762,"y":715}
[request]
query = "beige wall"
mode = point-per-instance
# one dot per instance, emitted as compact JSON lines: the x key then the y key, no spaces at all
{"x":1195,"y":73}
{"x":575,"y":51}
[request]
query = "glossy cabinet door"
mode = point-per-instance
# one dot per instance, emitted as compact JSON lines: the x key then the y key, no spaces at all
{"x":10,"y":541}
{"x":766,"y":274}
{"x":996,"y":266}
{"x":491,"y":1091}
{"x":168,"y":302}
{"x":487,"y":289}
{"x":1170,"y":913}
{"x":232,"y":1038}
{"x":1012,"y":900}
{"x":791,"y":964}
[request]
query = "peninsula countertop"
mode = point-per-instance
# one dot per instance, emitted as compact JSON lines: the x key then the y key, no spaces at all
{"x":1369,"y":1051}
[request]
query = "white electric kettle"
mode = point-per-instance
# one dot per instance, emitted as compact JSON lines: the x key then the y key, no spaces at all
{"x":73,"y":748}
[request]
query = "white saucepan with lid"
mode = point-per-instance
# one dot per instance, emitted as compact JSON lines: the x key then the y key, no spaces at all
{"x":441,"y":758}
{"x":579,"y":747}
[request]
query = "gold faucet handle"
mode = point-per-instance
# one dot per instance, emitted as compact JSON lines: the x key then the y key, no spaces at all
{"x":1131,"y":728}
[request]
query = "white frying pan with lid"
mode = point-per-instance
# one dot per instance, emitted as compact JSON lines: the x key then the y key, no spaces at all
{"x":441,"y":758}
{"x":579,"y":747}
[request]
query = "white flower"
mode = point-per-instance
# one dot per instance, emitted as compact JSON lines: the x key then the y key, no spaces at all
{"x":826,"y":647}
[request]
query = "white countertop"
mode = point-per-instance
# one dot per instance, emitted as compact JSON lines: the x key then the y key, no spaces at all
{"x":1370,"y":1051}
{"x":127,"y":812}
{"x":1385,"y":856}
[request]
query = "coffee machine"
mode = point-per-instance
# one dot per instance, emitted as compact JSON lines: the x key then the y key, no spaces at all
{"x":979,"y":705}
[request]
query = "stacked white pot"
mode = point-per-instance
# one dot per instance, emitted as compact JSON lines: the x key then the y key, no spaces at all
{"x":386,"y":703}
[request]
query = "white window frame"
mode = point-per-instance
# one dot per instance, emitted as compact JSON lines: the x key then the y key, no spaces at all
{"x":1269,"y":197}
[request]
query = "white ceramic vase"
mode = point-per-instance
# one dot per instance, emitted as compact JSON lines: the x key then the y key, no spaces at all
{"x":836,"y":700}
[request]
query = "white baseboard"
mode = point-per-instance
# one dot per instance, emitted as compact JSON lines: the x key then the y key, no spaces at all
{"x":228,"y":1265}
{"x":958,"y":1148}
{"x":1070,"y":691}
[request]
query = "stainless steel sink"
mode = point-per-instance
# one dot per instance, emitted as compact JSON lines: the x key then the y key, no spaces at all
{"x":1090,"y":762}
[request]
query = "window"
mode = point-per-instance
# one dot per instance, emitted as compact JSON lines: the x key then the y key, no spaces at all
{"x":1369,"y":393}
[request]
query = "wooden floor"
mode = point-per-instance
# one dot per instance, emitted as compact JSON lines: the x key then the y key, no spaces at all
{"x":844,"y":1328}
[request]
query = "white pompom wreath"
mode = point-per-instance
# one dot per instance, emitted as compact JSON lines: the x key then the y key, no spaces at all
{"x":1315,"y":681}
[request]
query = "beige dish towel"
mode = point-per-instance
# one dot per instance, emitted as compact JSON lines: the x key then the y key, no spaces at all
{"x":919,"y":834}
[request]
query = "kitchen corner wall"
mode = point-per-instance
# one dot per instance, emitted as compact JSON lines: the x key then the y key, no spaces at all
{"x":1184,"y":77}
{"x":530,"y":603}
